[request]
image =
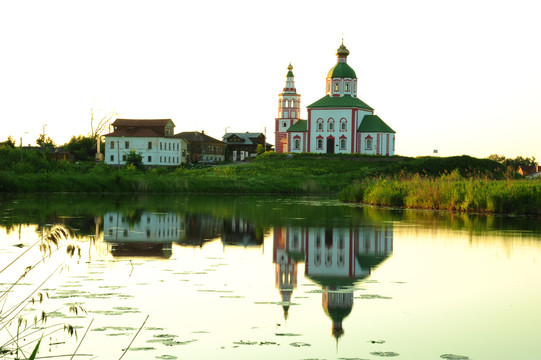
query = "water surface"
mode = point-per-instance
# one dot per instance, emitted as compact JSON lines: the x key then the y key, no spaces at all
{"x":290,"y":278}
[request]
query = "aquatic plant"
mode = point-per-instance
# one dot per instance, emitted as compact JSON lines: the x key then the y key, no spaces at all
{"x":20,"y":332}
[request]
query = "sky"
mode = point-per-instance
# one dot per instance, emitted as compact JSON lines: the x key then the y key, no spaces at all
{"x":460,"y":77}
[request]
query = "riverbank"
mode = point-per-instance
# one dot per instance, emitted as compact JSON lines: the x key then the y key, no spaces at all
{"x":448,"y":192}
{"x":303,"y":174}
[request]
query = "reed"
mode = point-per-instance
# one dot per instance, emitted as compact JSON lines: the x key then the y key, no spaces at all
{"x":19,"y":333}
{"x":450,"y":192}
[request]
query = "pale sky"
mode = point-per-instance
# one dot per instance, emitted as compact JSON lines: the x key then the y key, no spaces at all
{"x":463,"y":77}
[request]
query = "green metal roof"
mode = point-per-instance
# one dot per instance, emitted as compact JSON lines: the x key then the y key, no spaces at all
{"x":341,"y":70}
{"x":300,"y":125}
{"x":346,"y":101}
{"x":372,"y":123}
{"x":290,"y":73}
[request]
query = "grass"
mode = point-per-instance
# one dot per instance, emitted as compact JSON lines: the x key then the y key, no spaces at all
{"x":448,"y":192}
{"x":300,"y":174}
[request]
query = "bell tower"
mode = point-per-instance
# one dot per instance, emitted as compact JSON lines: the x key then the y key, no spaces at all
{"x":289,"y":107}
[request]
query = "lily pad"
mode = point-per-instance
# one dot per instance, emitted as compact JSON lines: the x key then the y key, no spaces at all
{"x":454,"y":357}
{"x":384,"y":353}
{"x":299,"y":344}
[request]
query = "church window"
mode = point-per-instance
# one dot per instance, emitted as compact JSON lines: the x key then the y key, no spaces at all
{"x":331,"y":125}
{"x":112,"y":144}
{"x":112,"y":158}
{"x":123,"y":157}
{"x":297,"y":144}
{"x":149,"y":158}
{"x":161,"y":145}
{"x":319,"y":124}
{"x":343,"y":125}
{"x":285,"y":124}
{"x":335,"y":86}
{"x":319,"y":144}
{"x":342,"y":144}
{"x":368,"y":143}
{"x":150,"y":145}
{"x":127,"y":145}
{"x":347,"y":87}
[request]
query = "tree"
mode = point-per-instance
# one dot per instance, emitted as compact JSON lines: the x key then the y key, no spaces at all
{"x":135,"y":159}
{"x":260,"y":149}
{"x":82,"y":147}
{"x":46,"y":143}
{"x":99,"y":122}
{"x":9,"y":142}
{"x":513,"y":163}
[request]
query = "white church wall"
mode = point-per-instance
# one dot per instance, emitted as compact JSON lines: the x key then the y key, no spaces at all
{"x":321,"y":128}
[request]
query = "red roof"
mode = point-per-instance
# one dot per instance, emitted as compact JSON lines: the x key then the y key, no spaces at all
{"x":140,"y":127}
{"x":142,"y":122}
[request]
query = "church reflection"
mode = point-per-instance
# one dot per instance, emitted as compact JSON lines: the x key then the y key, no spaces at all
{"x":334,"y":258}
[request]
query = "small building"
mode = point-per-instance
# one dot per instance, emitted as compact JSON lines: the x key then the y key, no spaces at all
{"x":152,"y":138}
{"x":240,"y":146}
{"x":203,"y":148}
{"x":529,"y":171}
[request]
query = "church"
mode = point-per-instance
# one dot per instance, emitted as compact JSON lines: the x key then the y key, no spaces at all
{"x":339,"y":122}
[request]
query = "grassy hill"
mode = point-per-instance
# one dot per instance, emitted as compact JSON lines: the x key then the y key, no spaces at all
{"x":268,"y":173}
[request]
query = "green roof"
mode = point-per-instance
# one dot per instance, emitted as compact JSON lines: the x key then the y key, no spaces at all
{"x":300,"y":125}
{"x":346,"y":101}
{"x":341,"y":70}
{"x":372,"y":123}
{"x":290,"y":73}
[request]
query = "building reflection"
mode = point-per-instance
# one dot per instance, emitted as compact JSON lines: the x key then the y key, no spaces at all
{"x":239,"y":231}
{"x":152,"y":234}
{"x":334,"y":258}
{"x":142,"y":234}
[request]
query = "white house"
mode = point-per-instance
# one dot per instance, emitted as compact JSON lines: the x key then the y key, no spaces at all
{"x":152,"y":138}
{"x":339,"y":122}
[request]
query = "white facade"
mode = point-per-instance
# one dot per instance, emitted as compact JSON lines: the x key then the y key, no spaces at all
{"x":156,"y":151}
{"x":150,"y":227}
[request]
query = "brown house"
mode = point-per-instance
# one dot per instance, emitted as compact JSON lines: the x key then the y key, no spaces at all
{"x":203,"y":148}
{"x":244,"y":145}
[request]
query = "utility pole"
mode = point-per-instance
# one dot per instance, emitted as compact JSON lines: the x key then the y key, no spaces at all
{"x":43,"y":143}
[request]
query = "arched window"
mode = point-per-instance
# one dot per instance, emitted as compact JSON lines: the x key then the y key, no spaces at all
{"x":297,"y":144}
{"x":342,"y":144}
{"x":319,"y":124}
{"x":319,"y":144}
{"x":343,"y":125}
{"x":368,"y":143}
{"x":335,"y":86}
{"x":347,"y":87}
{"x":331,"y":125}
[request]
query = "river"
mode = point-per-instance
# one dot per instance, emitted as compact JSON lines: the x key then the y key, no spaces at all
{"x":243,"y":277}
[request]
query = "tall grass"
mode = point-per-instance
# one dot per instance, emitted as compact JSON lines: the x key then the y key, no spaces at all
{"x":448,"y":192}
{"x":22,"y":334}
